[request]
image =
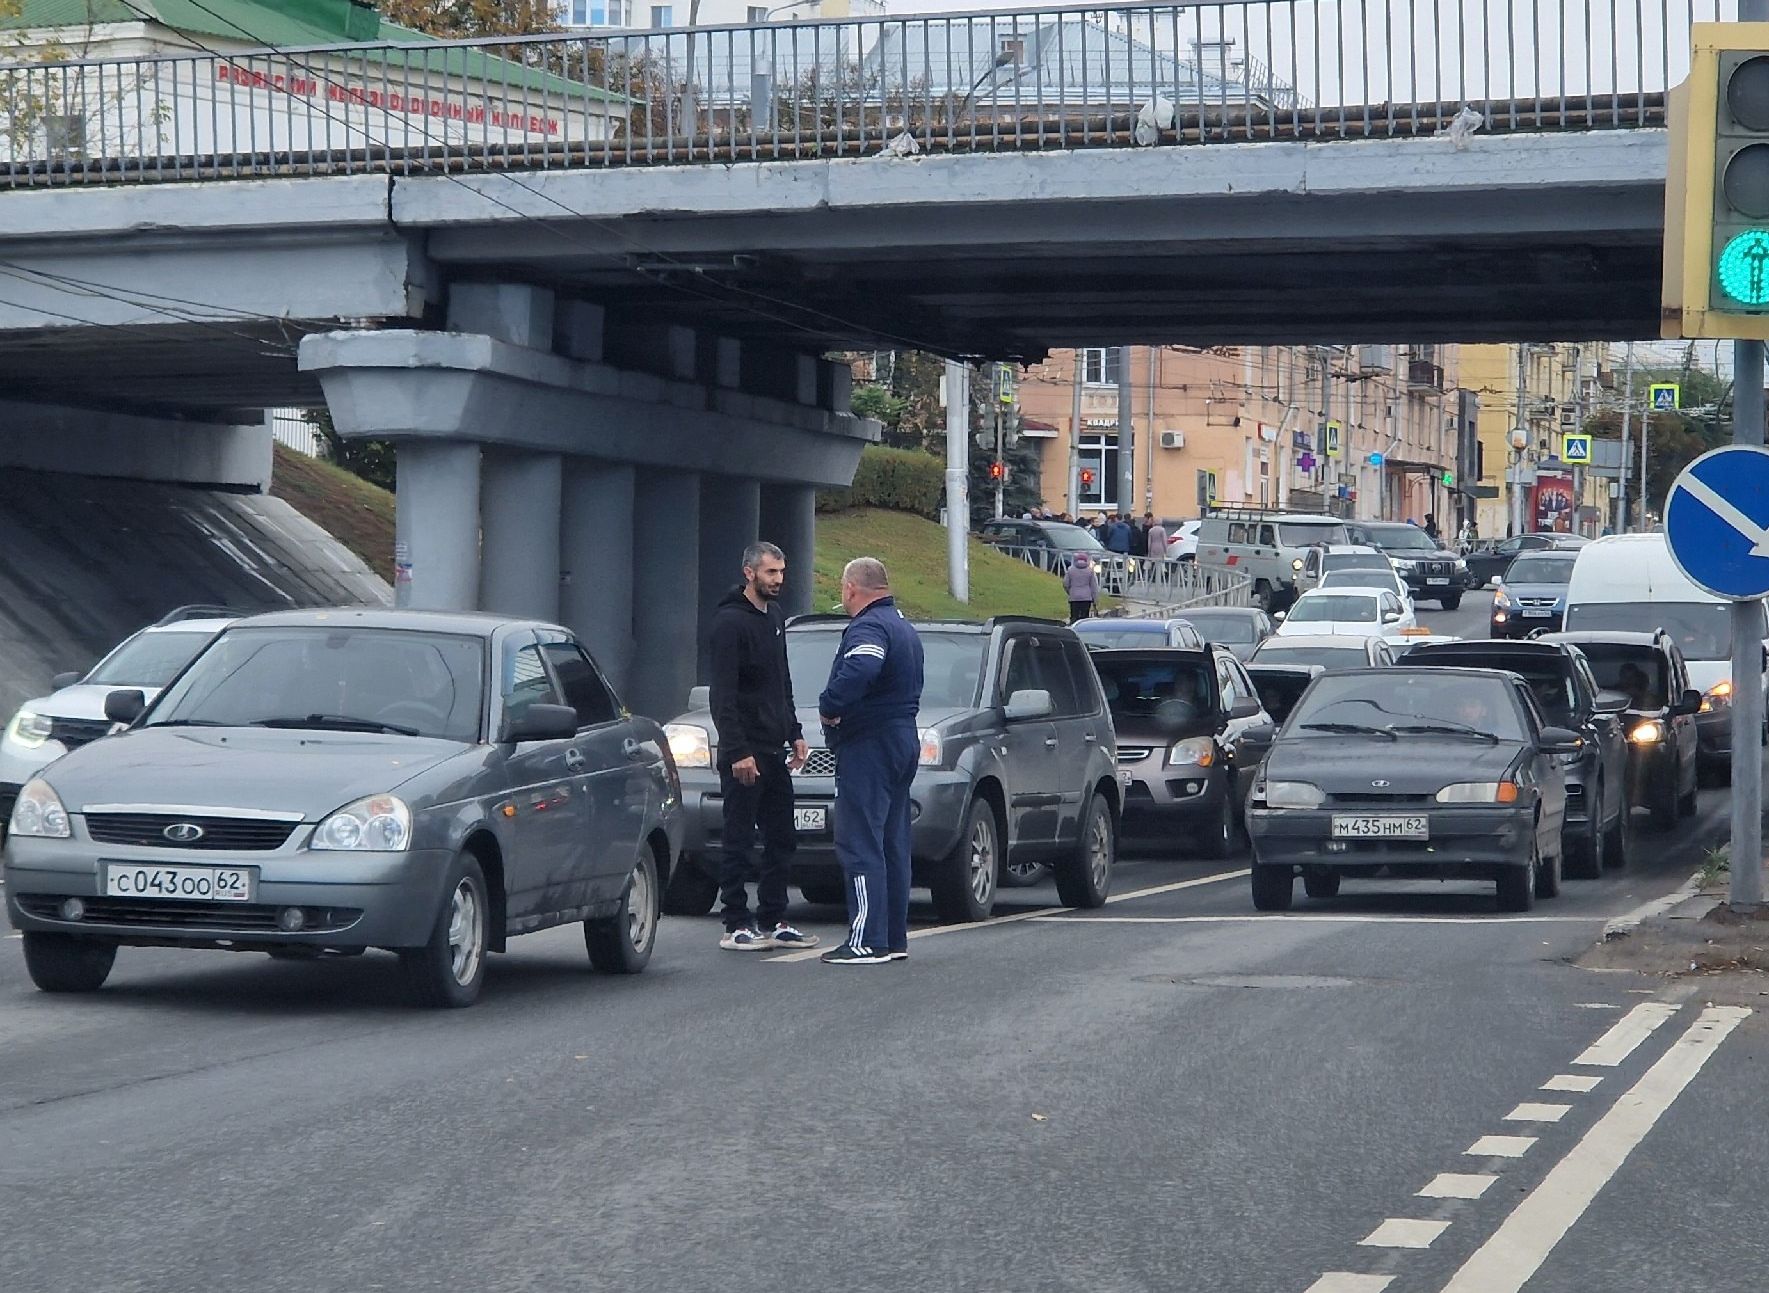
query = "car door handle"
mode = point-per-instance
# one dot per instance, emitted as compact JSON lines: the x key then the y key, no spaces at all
{"x":631,"y":748}
{"x":1090,"y":738}
{"x":574,"y":760}
{"x":1050,"y":742}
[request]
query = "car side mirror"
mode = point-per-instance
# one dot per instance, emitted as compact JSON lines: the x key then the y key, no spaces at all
{"x":1689,"y":704}
{"x":1560,"y":740}
{"x":1611,"y":702}
{"x":1278,"y":617}
{"x":124,"y":706}
{"x":65,"y":680}
{"x":700,"y":698}
{"x":541,"y":723}
{"x":1245,"y":707}
{"x":1023,"y":706}
{"x":1391,"y":617}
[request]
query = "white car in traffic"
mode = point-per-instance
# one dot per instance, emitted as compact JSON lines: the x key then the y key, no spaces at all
{"x":1349,"y":612}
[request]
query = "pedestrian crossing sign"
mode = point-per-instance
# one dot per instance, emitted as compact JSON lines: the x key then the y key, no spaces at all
{"x":1575,"y":449}
{"x":1664,"y":396}
{"x":1331,"y":439}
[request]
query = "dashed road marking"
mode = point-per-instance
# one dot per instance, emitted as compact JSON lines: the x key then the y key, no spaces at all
{"x":1500,"y":1147}
{"x":1529,"y":1111}
{"x":1517,"y":1249}
{"x":1349,"y":1282}
{"x":1319,"y":918}
{"x":1404,"y":1232}
{"x":1629,"y":1031}
{"x":1457,"y":1185}
{"x":1571,"y":1082}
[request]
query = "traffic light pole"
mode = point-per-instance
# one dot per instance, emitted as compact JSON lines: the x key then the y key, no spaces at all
{"x":1746,"y":871}
{"x":958,"y":480}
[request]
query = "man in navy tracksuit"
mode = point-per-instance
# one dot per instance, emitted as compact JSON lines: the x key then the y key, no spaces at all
{"x":868,"y":710}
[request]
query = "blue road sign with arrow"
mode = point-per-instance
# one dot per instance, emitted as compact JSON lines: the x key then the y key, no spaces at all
{"x":1717,"y":521}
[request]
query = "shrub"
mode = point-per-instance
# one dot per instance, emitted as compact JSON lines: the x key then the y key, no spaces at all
{"x":903,"y":480}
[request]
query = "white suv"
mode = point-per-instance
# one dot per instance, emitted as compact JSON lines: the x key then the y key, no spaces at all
{"x":1266,"y":546}
{"x":45,"y":729}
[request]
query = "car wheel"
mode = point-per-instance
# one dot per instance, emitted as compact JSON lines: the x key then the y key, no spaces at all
{"x":1264,"y":597}
{"x":1019,"y":874}
{"x":1274,"y":887}
{"x":622,"y":943}
{"x":964,"y":885}
{"x":1084,"y":878}
{"x":1219,"y":841}
{"x":1452,"y":602}
{"x":825,"y":895}
{"x":1517,"y":884}
{"x":66,"y":962}
{"x":447,"y":972}
{"x":691,"y":891}
{"x":1320,"y":884}
{"x":1586,"y":862}
{"x":1615,"y":842}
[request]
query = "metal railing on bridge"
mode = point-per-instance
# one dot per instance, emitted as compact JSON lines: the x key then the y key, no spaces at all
{"x":1161,"y":582}
{"x":1057,"y":78}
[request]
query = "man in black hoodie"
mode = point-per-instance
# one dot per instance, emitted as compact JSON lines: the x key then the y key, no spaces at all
{"x":753,"y":711}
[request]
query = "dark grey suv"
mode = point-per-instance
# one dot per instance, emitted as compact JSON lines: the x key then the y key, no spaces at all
{"x":1018,"y":767}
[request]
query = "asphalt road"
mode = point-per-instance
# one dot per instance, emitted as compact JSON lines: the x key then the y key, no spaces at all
{"x":1171,"y":1093}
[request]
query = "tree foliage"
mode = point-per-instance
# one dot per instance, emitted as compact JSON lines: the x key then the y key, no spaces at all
{"x":1674,"y":438}
{"x":465,"y":19}
{"x":372,"y":460}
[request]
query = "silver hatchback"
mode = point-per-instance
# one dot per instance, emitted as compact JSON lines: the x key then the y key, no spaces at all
{"x":328,"y":781}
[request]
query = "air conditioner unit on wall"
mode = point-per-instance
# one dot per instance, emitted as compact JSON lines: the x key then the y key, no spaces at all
{"x":1173,"y":439}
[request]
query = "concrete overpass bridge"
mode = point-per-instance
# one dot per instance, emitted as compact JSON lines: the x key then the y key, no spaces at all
{"x":598,"y":348}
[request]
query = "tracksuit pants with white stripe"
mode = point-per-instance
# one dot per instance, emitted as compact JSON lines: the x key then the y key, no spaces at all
{"x":873,"y":776}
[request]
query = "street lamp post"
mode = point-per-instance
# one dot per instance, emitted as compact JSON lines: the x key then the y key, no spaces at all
{"x":1519,"y":442}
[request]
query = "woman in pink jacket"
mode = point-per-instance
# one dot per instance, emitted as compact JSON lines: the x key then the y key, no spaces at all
{"x":1081,"y":584}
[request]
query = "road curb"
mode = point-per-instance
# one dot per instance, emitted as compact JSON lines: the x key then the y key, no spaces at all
{"x":1629,"y":921}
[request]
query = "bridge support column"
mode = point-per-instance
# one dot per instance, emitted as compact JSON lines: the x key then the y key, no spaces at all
{"x":596,"y":569}
{"x":437,"y":525}
{"x":665,"y":574}
{"x":519,"y":533}
{"x":730,"y":515}
{"x":789,"y":521}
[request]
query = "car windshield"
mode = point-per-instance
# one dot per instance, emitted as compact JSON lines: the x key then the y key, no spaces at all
{"x":1109,"y":636}
{"x":1337,"y":608}
{"x":1328,"y":657}
{"x":1174,"y":693}
{"x":1549,"y":679}
{"x":149,"y":659}
{"x":1072,"y":537}
{"x":1396,"y":700}
{"x":1360,"y":579}
{"x":1300,"y":534}
{"x":1702,"y":630}
{"x":1401,"y":538}
{"x":342,"y":678}
{"x":1541,"y":570}
{"x":952,"y":666}
{"x":1225,"y":627}
{"x":1637,"y":672}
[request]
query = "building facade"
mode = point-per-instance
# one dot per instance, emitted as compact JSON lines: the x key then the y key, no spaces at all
{"x":1363,"y":431}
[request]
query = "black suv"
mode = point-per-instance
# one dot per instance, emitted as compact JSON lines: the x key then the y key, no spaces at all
{"x":1663,"y":745}
{"x":1432,"y":572}
{"x":1017,"y":769}
{"x":1052,"y":545}
{"x":1568,"y":695}
{"x":1191,"y":730}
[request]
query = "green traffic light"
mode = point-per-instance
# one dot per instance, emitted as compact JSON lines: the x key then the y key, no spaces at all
{"x":1744,"y":267}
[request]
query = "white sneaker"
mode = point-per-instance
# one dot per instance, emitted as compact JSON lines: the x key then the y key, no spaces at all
{"x":746,"y":938}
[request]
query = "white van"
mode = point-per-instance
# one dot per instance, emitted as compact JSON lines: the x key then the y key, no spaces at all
{"x":1267,"y":546}
{"x":1630,"y":582}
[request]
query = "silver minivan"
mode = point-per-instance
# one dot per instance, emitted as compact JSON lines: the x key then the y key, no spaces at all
{"x":1267,"y":546}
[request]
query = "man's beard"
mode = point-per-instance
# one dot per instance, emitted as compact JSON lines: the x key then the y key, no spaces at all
{"x":765,"y":593}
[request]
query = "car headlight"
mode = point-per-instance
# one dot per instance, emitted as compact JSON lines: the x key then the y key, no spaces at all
{"x":28,"y":728}
{"x":1650,"y":732}
{"x":378,"y":824}
{"x":1293,"y":794}
{"x":1193,"y":752}
{"x":690,"y":746}
{"x":39,"y":814}
{"x":1461,"y":565}
{"x":1719,"y":696}
{"x":1500,"y":600}
{"x":933,"y":749}
{"x":1296,"y":564}
{"x":1479,"y":792}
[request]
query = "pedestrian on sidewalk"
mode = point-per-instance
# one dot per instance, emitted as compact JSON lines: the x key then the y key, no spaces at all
{"x":1081,"y":587}
{"x":869,"y":710}
{"x":1118,"y":535}
{"x":1157,"y":544}
{"x":753,"y":711}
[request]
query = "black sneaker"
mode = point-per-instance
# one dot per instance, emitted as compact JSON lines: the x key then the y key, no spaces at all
{"x":846,"y":955}
{"x":897,"y":954}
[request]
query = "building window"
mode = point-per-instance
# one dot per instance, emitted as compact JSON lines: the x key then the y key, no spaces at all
{"x":758,"y":13}
{"x":663,"y":15}
{"x":1099,"y":366}
{"x":1013,"y":52}
{"x":1098,"y":454}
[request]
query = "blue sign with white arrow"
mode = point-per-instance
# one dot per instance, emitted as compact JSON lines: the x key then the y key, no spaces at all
{"x":1717,"y":522}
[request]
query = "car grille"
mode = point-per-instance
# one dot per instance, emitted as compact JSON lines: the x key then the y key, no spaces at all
{"x":1547,"y":602}
{"x":1134,"y":753}
{"x":820,"y":763}
{"x":75,"y":732}
{"x":245,"y":917}
{"x":1378,"y":797}
{"x":1434,"y":568}
{"x":245,"y":834}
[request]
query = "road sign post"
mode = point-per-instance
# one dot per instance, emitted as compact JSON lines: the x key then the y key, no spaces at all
{"x":1717,"y":529}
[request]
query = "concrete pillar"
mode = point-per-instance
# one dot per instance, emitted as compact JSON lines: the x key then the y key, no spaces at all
{"x":512,"y":312}
{"x":730,"y":516}
{"x":437,"y":528}
{"x":666,"y":582}
{"x":596,"y":563}
{"x":519,"y":533}
{"x":789,"y":521}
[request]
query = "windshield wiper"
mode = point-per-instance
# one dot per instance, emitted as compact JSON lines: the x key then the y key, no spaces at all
{"x":337,"y":723}
{"x":1348,"y":729}
{"x":1442,"y":729}
{"x":187,"y":722}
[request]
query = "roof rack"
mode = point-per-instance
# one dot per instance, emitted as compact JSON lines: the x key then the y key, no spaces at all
{"x":1248,"y":512}
{"x":1042,"y":620}
{"x":197,"y":611}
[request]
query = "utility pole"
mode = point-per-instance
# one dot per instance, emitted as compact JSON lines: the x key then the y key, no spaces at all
{"x":1126,"y":435}
{"x":1519,"y":438}
{"x":1627,"y":442}
{"x":1075,"y":442}
{"x":957,"y":394}
{"x":995,"y":388}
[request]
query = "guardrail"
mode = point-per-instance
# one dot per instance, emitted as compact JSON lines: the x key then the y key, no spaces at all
{"x":1107,"y":76}
{"x":1166,"y":582}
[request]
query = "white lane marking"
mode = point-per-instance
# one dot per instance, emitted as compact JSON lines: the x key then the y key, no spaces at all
{"x":1629,"y":1031}
{"x":1528,"y":1112}
{"x":1041,"y":913}
{"x":1500,"y":1147}
{"x":1598,"y":1005}
{"x":1404,"y":1232}
{"x":1321,"y":918}
{"x":15,"y":936}
{"x":1571,"y":1082}
{"x":1629,"y":921}
{"x":1349,"y":1282}
{"x":1517,"y":1249}
{"x":1457,"y":1185}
